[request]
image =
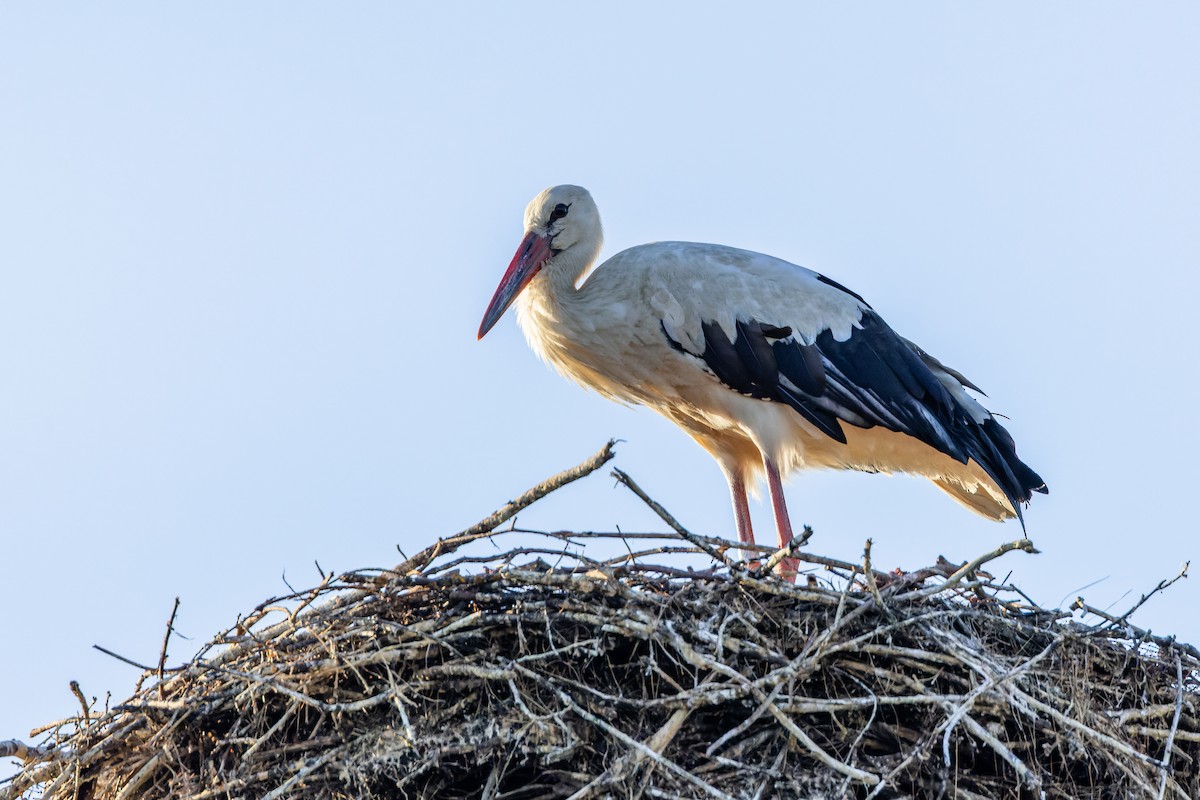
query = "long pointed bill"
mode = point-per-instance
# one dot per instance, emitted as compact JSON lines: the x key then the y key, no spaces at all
{"x":531,"y":255}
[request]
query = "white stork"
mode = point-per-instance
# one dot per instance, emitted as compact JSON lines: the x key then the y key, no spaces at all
{"x":771,"y":367}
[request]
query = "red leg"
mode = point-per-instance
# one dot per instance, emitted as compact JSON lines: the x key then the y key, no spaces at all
{"x":741,"y":507}
{"x":787,"y":567}
{"x":741,"y":513}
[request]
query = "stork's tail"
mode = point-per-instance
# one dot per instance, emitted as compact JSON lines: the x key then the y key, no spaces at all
{"x":992,"y":447}
{"x":977,"y":498}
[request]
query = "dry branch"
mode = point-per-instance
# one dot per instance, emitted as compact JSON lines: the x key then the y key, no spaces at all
{"x":14,"y":748}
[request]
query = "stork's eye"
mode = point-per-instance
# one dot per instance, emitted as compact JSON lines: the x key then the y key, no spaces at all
{"x":559,"y":211}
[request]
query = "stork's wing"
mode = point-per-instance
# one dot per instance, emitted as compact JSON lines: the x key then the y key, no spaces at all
{"x":872,"y":378}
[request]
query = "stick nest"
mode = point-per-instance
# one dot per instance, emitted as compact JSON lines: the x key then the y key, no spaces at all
{"x":512,"y":667}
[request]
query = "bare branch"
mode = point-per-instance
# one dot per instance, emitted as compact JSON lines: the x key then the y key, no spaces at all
{"x":162,"y":656}
{"x":702,"y":543}
{"x":1169,"y":746}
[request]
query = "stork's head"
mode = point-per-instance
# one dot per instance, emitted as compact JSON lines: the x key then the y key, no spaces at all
{"x":562,"y":233}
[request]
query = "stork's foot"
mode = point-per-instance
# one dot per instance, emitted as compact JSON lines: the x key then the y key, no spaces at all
{"x":788,"y":567}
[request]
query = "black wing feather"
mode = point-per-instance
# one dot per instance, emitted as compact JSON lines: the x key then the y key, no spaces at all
{"x":744,"y":368}
{"x":801,"y":364}
{"x":872,"y":378}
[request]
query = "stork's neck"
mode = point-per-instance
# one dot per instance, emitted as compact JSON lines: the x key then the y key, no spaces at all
{"x":566,"y":268}
{"x":555,"y":284}
{"x":551,"y":303}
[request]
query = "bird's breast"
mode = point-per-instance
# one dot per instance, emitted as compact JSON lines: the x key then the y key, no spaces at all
{"x":598,"y":342}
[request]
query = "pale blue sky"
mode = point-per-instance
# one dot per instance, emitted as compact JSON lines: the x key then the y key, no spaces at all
{"x":244,"y":250}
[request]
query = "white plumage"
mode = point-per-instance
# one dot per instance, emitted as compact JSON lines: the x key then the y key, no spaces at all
{"x":769,"y":366}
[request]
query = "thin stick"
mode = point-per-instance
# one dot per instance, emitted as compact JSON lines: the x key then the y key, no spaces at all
{"x":787,"y":551}
{"x":869,"y":574}
{"x":1157,"y":733}
{"x":83,"y":703}
{"x":1161,"y":586}
{"x":834,"y":563}
{"x":531,"y":496}
{"x":772,"y":774}
{"x":814,"y":749}
{"x":1032,"y":780}
{"x":510,"y":509}
{"x":972,"y":565}
{"x":120,"y":657}
{"x":1134,"y":632}
{"x":744,"y":725}
{"x":422,"y":559}
{"x":1085,"y":729}
{"x":162,"y":656}
{"x":962,"y":712}
{"x":1166,"y":759}
{"x":657,"y":743}
{"x":139,"y":778}
{"x":644,"y":749}
{"x":666,"y":517}
{"x":305,"y":769}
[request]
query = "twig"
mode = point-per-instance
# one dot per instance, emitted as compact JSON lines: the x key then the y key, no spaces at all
{"x":279,"y":723}
{"x":644,"y":749}
{"x":14,"y":748}
{"x":130,"y":790}
{"x":306,"y":768}
{"x":329,"y":708}
{"x":422,"y":559}
{"x":772,"y":774}
{"x":1166,"y":759}
{"x":1002,"y":750}
{"x":1157,"y":733}
{"x":120,"y":657}
{"x":162,"y":656}
{"x":1134,"y":632}
{"x":962,"y":713}
{"x":745,"y":724}
{"x":869,"y":575}
{"x":497,"y":518}
{"x":966,"y":569}
{"x":1085,"y":729}
{"x":656,"y":744}
{"x":835,"y":564}
{"x":1162,"y":585}
{"x":814,"y":749}
{"x":666,"y":517}
{"x":787,"y":551}
{"x":528,"y":498}
{"x":83,"y":703}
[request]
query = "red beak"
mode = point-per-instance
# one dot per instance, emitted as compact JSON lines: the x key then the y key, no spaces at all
{"x":531,"y":255}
